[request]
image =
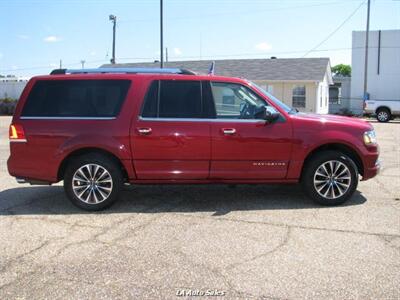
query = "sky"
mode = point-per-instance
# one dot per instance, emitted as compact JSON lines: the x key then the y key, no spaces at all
{"x":36,"y":34}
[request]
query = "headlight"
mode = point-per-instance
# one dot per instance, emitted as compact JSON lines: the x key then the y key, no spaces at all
{"x":369,"y":137}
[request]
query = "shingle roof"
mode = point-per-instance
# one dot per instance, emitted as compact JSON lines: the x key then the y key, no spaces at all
{"x":299,"y":69}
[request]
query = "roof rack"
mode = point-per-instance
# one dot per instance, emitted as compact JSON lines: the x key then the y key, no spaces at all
{"x":123,"y":71}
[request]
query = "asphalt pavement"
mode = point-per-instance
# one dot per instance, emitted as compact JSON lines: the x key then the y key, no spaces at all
{"x":167,"y":241}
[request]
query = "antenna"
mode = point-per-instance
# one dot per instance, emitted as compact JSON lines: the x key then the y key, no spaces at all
{"x":212,"y":68}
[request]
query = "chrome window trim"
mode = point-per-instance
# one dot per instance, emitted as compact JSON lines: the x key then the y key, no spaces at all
{"x":67,"y":118}
{"x":202,"y":120}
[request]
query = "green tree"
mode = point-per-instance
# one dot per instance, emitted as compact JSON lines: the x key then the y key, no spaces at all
{"x":342,"y":70}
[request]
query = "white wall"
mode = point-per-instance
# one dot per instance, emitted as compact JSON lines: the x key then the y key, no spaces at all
{"x":284,"y":92}
{"x":322,"y":97}
{"x":386,"y":84}
{"x":11,"y":89}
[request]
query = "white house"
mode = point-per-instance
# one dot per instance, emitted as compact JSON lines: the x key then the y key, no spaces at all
{"x":383,"y":80}
{"x":299,"y":82}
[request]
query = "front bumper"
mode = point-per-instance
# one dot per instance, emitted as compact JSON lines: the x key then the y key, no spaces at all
{"x":372,"y":171}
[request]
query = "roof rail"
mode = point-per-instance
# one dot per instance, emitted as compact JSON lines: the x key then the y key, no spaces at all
{"x":123,"y":71}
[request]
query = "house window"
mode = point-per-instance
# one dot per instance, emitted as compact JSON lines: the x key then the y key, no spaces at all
{"x":335,"y":94}
{"x":299,"y":96}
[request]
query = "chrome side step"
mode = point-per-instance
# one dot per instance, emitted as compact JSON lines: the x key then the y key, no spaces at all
{"x":32,"y":182}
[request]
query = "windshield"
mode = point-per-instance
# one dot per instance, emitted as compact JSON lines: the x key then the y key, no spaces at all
{"x":278,"y":102}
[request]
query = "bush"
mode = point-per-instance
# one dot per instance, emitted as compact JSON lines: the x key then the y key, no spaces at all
{"x":345,"y":112}
{"x":7,"y":106}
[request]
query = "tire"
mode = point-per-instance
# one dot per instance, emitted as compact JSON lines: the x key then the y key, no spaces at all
{"x":93,"y":181}
{"x":383,"y":115}
{"x":318,"y":186}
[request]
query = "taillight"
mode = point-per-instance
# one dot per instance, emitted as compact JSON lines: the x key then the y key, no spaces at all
{"x":17,"y":133}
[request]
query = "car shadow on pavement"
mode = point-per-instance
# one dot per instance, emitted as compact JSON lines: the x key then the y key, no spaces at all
{"x":219,"y":199}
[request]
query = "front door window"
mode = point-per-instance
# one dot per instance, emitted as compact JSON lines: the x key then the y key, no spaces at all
{"x":235,"y":101}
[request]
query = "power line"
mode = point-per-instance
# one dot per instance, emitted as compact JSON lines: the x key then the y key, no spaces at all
{"x":252,"y":54}
{"x":239,"y":12}
{"x":50,"y":67}
{"x":264,"y":54}
{"x":336,"y":30}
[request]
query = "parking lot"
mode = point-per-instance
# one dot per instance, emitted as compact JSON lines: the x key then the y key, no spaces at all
{"x":243,"y":242}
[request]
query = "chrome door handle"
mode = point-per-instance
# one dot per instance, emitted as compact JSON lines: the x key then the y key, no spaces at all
{"x":144,"y":131}
{"x":229,"y":131}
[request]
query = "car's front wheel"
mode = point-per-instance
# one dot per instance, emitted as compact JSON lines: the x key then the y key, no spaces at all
{"x":330,"y":178}
{"x":93,"y":181}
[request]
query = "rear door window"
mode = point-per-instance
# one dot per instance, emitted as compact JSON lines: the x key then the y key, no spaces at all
{"x":173,"y":99}
{"x":76,"y":98}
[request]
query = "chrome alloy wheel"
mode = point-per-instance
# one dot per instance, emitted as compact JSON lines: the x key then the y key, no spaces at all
{"x":383,"y":116}
{"x":92,"y":184}
{"x":332,"y":179}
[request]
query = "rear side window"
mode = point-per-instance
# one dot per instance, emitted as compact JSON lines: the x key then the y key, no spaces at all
{"x":76,"y":98}
{"x":150,"y":108}
{"x":173,"y":99}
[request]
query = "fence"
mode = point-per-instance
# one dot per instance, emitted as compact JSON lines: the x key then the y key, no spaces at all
{"x":11,"y":89}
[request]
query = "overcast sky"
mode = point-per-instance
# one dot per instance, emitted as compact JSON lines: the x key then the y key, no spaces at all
{"x":35,"y":35}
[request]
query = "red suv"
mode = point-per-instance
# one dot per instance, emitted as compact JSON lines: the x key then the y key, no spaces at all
{"x":98,"y":129}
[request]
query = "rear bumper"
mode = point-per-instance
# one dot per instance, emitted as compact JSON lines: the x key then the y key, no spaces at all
{"x":25,"y":166}
{"x":23,"y":174}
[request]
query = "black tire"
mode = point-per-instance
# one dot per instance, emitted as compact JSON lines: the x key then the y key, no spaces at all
{"x":383,"y":115}
{"x":113,"y":188}
{"x":310,"y":173}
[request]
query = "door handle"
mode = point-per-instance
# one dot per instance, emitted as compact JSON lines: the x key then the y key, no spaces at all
{"x":229,"y":131}
{"x":144,"y":131}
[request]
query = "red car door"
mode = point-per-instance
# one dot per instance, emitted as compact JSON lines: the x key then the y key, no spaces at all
{"x":170,"y":138}
{"x":243,"y":147}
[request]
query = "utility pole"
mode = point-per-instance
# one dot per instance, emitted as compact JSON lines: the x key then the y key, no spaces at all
{"x":60,"y":63}
{"x":201,"y":46}
{"x":161,"y":36}
{"x":366,"y":95}
{"x":113,"y":19}
{"x":83,"y":63}
{"x":166,"y":54}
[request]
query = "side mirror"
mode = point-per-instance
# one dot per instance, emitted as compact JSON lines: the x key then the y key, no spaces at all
{"x":260,"y":112}
{"x":271,"y":116}
{"x":263,"y":113}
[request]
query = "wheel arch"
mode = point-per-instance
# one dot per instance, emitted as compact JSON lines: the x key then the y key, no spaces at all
{"x":87,"y":150}
{"x":381,"y":107}
{"x":343,"y":148}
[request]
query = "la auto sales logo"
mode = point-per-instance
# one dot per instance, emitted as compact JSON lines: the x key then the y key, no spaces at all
{"x":199,"y":293}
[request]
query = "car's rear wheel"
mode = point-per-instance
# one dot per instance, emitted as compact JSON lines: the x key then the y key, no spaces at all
{"x":383,"y":115}
{"x":93,"y":181}
{"x":330,"y":178}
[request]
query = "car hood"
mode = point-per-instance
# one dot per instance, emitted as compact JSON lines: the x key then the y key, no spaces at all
{"x":333,"y":120}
